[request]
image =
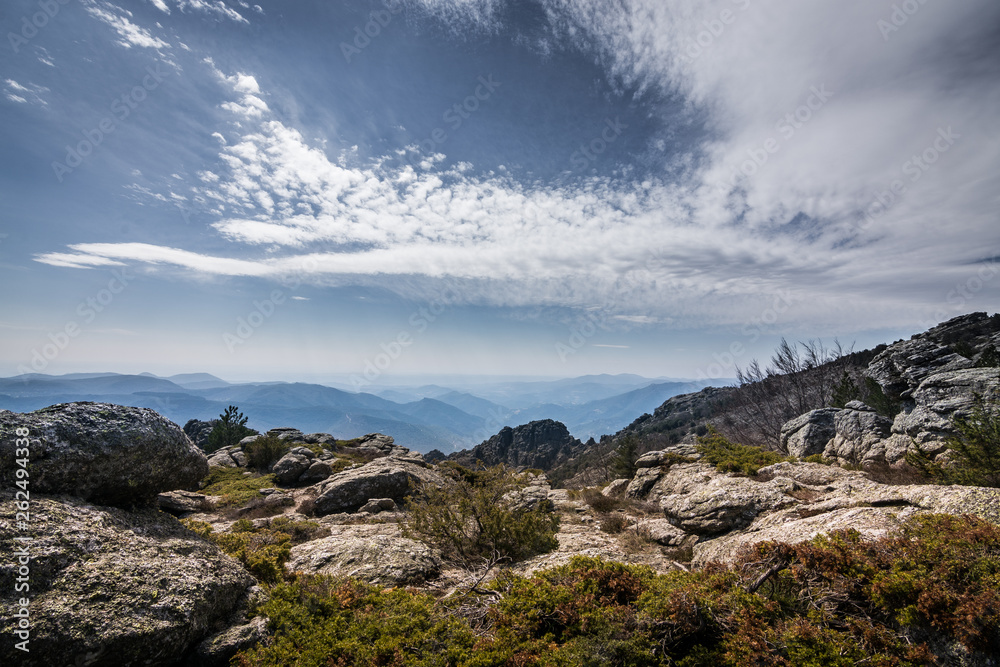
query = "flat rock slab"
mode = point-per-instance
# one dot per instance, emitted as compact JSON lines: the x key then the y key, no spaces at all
{"x":386,"y":560}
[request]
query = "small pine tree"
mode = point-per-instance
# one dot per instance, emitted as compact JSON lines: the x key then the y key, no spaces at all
{"x":624,"y":458}
{"x":230,"y":429}
{"x":883,"y":404}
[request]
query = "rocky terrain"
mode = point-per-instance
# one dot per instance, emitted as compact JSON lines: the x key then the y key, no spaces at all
{"x":118,"y":579}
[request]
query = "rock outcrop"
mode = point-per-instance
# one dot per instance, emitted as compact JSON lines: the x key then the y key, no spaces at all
{"x":388,"y":477}
{"x":111,"y":586}
{"x":199,"y":431}
{"x":541,"y":444}
{"x":808,"y":434}
{"x":106,"y":454}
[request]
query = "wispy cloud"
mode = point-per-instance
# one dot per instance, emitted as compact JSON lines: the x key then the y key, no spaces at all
{"x":119,"y":20}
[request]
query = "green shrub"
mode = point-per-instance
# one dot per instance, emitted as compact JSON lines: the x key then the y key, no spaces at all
{"x":235,"y":487}
{"x":264,"y":550}
{"x":264,"y":452}
{"x":975,"y":451}
{"x":728,"y":456}
{"x":477,"y":515}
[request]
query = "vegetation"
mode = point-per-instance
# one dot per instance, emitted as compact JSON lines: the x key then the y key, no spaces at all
{"x":837,"y":600}
{"x":263,"y":550}
{"x":728,"y":456}
{"x":624,"y":458}
{"x":230,"y":428}
{"x":480,"y":515}
{"x":973,"y":458}
{"x":235,"y":487}
{"x":264,"y":452}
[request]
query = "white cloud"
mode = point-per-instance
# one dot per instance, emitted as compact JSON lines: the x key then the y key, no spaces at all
{"x":161,"y":5}
{"x":218,"y":8}
{"x":130,"y":34}
{"x":30,"y":94}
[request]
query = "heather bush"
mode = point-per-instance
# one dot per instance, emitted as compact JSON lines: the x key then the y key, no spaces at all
{"x":477,"y":515}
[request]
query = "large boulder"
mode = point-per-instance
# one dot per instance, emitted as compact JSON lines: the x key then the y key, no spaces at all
{"x":292,"y":465}
{"x":385,"y":560}
{"x":107,"y":454}
{"x":699,"y":500}
{"x":859,"y":435}
{"x":809,"y":434}
{"x":115,"y":587}
{"x":388,"y":477}
{"x":942,"y":397}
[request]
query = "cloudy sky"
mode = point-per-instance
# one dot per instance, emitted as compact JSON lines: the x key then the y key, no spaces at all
{"x":303,"y":190}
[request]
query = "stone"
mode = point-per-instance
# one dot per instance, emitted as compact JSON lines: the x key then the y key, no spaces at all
{"x":809,"y":434}
{"x":117,"y":587}
{"x":287,"y":433}
{"x":249,"y":440}
{"x":319,"y":439}
{"x":378,"y":559}
{"x":222,"y":459}
{"x":662,"y":532}
{"x":199,"y":431}
{"x":104,"y":453}
{"x":219,"y":649}
{"x":180,"y":503}
{"x":859,"y":435}
{"x":639,"y":486}
{"x":542,"y":444}
{"x":387,"y":477}
{"x":708,"y":503}
{"x":943,"y":396}
{"x":616,"y":488}
{"x":289,"y":468}
{"x":315,"y":473}
{"x":376,"y":505}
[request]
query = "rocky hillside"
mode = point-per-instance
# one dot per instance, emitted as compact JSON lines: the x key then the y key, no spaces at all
{"x":911,"y":389}
{"x":542,"y":445}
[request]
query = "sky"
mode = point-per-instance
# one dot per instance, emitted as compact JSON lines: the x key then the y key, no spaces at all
{"x":379,"y":189}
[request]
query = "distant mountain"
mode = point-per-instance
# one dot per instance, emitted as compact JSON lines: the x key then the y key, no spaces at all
{"x":422,"y":417}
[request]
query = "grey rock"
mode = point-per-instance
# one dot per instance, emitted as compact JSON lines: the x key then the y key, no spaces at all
{"x":616,"y":488}
{"x":901,"y":367}
{"x":219,"y":649}
{"x":319,"y":439}
{"x":287,"y":433}
{"x":103,"y":453}
{"x":289,"y":468}
{"x":117,"y":587}
{"x":249,"y":440}
{"x":180,"y":503}
{"x":379,"y":559}
{"x":542,"y":444}
{"x":663,"y":533}
{"x":708,"y":503}
{"x":640,"y":485}
{"x":943,"y":396}
{"x":382,"y":478}
{"x":240,"y":457}
{"x":222,"y":459}
{"x":315,"y":473}
{"x":809,"y":434}
{"x":199,"y":431}
{"x":376,"y":505}
{"x":859,"y":436}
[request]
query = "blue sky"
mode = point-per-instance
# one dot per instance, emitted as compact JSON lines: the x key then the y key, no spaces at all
{"x":303,"y":190}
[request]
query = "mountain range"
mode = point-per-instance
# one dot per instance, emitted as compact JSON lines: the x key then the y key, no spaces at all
{"x":422,"y":417}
